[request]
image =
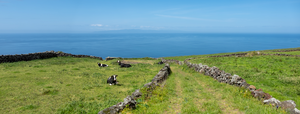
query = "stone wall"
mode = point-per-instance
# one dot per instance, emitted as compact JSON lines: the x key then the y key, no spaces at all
{"x":172,"y":61}
{"x":278,"y":54}
{"x":77,"y":56}
{"x":129,"y":101}
{"x":39,"y":55}
{"x":27,"y":57}
{"x":236,"y":80}
{"x":229,"y":55}
{"x":286,"y":50}
{"x":112,"y":58}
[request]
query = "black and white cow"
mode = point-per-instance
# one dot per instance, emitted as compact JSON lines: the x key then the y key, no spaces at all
{"x":112,"y":80}
{"x":123,"y":65}
{"x":160,"y":62}
{"x":102,"y":65}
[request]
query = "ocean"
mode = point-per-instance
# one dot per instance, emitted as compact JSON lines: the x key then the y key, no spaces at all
{"x":143,"y":44}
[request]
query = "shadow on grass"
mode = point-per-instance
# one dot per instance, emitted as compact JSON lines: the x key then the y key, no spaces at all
{"x":119,"y":84}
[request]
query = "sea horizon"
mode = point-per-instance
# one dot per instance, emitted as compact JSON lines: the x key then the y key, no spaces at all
{"x":137,"y":45}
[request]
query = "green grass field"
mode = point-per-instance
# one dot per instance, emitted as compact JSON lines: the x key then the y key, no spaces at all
{"x":78,"y":85}
{"x":68,"y":85}
{"x":276,"y":75}
{"x":290,"y":53}
{"x":187,"y":92}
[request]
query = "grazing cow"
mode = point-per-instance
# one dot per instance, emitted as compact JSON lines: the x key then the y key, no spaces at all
{"x":102,"y":65}
{"x":112,"y":80}
{"x":123,"y":65}
{"x":160,"y":62}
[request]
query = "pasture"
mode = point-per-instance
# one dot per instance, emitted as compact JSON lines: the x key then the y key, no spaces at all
{"x":277,"y":75}
{"x":78,"y":85}
{"x":69,"y":85}
{"x":189,"y":92}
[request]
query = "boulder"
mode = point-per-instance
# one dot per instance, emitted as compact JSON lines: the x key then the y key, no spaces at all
{"x":295,"y":111}
{"x":267,"y":96}
{"x":147,"y":85}
{"x":245,"y":84}
{"x":130,"y":102}
{"x":201,"y":71}
{"x":234,"y":79}
{"x":111,"y":110}
{"x":252,"y":88}
{"x":274,"y":102}
{"x":258,"y":94}
{"x":136,"y":93}
{"x":288,"y":105}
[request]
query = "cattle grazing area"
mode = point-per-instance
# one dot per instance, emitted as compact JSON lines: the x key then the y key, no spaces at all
{"x":277,"y":75}
{"x":69,"y":85}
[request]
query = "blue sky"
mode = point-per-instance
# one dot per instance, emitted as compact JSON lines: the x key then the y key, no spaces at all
{"x":203,"y":16}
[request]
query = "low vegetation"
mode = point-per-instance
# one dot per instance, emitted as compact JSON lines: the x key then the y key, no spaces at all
{"x":78,"y":85}
{"x":189,"y":92}
{"x":68,"y":85}
{"x":276,"y":75}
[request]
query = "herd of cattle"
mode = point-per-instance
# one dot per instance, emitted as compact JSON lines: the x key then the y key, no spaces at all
{"x":112,"y":80}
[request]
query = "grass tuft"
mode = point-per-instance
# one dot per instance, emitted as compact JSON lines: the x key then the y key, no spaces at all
{"x":29,"y":107}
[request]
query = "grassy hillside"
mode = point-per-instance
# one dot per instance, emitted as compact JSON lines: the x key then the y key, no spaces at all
{"x":68,"y":85}
{"x":78,"y":85}
{"x":276,"y":75}
{"x":187,"y":91}
{"x":182,"y":58}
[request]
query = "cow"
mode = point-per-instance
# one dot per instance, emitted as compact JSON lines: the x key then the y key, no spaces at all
{"x":160,"y":62}
{"x":123,"y":65}
{"x":112,"y":80}
{"x":102,"y":65}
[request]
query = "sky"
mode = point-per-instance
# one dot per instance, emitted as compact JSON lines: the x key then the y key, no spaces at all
{"x":199,"y":16}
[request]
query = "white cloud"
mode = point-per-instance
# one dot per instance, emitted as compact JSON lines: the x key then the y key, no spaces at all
{"x":97,"y":25}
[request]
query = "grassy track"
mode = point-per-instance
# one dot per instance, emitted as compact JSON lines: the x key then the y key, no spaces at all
{"x":68,"y":85}
{"x":189,"y":92}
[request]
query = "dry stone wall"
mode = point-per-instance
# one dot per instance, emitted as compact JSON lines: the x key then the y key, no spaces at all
{"x":172,"y":61}
{"x":112,"y":58}
{"x":77,"y":56}
{"x":278,"y":54}
{"x":129,"y":101}
{"x":27,"y":57}
{"x":229,"y":55}
{"x":286,"y":50}
{"x":236,"y":80}
{"x":39,"y":55}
